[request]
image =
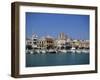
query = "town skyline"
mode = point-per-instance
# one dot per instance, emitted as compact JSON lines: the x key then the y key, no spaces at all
{"x":44,"y":24}
{"x":56,"y":37}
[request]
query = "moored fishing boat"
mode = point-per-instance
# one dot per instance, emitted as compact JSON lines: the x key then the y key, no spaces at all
{"x":64,"y":51}
{"x":43,"y":51}
{"x":52,"y":51}
{"x":73,"y":50}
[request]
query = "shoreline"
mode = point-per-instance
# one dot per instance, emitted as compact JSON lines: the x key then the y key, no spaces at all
{"x":57,"y":51}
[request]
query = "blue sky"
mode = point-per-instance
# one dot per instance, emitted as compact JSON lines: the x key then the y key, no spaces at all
{"x":43,"y":24}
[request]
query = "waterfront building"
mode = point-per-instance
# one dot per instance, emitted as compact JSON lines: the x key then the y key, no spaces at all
{"x":84,"y":44}
{"x":34,"y":41}
{"x":49,"y":42}
{"x":80,"y":44}
{"x":46,"y":43}
{"x":41,"y":43}
{"x":75,"y":43}
{"x":28,"y":43}
{"x":62,"y":42}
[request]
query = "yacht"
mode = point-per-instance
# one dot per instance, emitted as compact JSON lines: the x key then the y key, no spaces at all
{"x":43,"y":51}
{"x":38,"y":51}
{"x":78,"y":51}
{"x":73,"y":50}
{"x":85,"y":51}
{"x":52,"y":51}
{"x":31,"y":52}
{"x":64,"y":51}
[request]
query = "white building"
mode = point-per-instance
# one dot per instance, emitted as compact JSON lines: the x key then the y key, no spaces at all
{"x":34,"y":41}
{"x":28,"y":41}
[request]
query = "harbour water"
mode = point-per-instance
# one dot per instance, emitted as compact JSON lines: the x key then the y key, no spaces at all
{"x":57,"y":59}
